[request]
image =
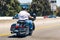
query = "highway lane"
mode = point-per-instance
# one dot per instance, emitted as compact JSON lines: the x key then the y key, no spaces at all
{"x":46,"y":29}
{"x":45,"y":34}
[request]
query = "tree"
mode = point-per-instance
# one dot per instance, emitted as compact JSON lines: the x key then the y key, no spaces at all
{"x":41,"y":7}
{"x":9,"y":7}
{"x":58,"y":11}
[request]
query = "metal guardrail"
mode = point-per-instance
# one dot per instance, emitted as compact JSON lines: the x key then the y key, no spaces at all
{"x":10,"y":18}
{"x":5,"y":18}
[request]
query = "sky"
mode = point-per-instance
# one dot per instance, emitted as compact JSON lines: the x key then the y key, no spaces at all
{"x":25,"y":1}
{"x":29,"y":1}
{"x":58,"y":2}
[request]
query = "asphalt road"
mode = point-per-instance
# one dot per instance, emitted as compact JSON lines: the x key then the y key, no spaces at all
{"x":46,"y":29}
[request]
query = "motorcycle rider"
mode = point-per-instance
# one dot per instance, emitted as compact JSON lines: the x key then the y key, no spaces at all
{"x":24,"y":15}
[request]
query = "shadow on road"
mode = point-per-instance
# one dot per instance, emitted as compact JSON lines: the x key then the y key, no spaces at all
{"x":14,"y":36}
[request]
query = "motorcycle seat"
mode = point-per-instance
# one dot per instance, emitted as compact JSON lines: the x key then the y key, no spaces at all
{"x":21,"y":21}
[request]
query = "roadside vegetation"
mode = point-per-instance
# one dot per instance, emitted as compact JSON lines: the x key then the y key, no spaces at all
{"x":9,"y":7}
{"x":12,"y":7}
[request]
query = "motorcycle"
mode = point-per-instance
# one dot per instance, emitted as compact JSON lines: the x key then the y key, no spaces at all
{"x":20,"y":28}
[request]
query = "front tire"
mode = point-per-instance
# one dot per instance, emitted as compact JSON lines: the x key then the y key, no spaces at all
{"x":33,"y":26}
{"x":30,"y":33}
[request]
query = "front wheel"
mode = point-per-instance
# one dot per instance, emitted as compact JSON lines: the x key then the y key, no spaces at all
{"x":33,"y":26}
{"x":30,"y":33}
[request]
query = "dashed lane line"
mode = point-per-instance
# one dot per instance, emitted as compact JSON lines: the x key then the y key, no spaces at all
{"x":6,"y":34}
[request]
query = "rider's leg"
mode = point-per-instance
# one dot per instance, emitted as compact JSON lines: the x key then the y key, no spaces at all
{"x":29,"y":22}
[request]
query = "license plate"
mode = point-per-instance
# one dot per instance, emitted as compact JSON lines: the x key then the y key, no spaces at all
{"x":22,"y":29}
{"x":16,"y":30}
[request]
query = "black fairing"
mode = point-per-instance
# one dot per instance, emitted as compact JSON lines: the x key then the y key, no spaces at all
{"x":33,"y":15}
